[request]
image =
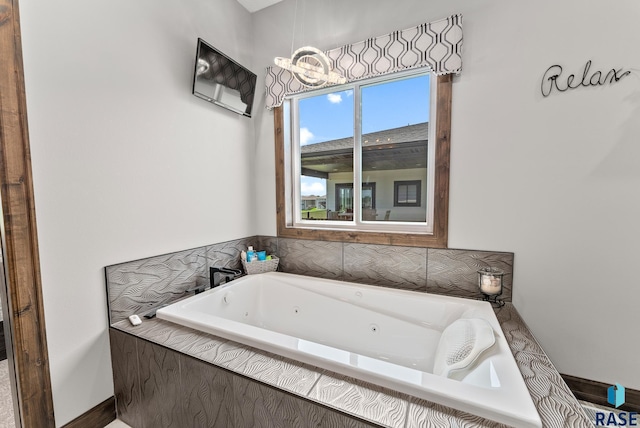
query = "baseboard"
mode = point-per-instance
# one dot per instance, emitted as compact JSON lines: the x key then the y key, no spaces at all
{"x":596,"y":392}
{"x":99,"y":417}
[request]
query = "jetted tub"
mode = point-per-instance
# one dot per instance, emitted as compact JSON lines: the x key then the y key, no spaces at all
{"x":384,"y":336}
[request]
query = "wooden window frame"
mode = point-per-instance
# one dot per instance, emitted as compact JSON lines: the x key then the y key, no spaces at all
{"x":439,"y":237}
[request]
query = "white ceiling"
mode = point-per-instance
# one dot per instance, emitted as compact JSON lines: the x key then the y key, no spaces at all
{"x":255,"y":5}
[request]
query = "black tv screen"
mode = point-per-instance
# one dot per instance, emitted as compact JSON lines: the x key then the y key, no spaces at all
{"x":222,"y":81}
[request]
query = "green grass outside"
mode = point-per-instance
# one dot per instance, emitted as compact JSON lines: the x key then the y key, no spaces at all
{"x":314,"y":214}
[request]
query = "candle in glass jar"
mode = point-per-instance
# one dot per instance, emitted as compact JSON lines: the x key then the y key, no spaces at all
{"x":491,"y":284}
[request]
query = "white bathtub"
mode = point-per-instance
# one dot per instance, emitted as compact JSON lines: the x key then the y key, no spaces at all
{"x":384,"y":336}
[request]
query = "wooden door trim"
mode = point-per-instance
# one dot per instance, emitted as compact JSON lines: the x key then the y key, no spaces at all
{"x":20,"y":243}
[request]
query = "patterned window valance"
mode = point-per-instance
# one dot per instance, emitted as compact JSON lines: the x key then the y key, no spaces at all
{"x":437,"y":45}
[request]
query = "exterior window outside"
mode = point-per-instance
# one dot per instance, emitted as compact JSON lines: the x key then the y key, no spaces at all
{"x":407,"y":193}
{"x":351,"y":146}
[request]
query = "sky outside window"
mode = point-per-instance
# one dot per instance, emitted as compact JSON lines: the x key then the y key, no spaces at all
{"x":385,"y":105}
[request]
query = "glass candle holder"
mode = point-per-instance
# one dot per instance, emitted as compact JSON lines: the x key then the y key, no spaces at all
{"x":490,"y":281}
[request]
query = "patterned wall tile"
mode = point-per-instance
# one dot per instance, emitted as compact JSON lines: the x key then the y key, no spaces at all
{"x":268,"y":244}
{"x":285,"y":373}
{"x":423,"y":414}
{"x":227,"y":254}
{"x":143,"y":285}
{"x":139,"y":286}
{"x":162,"y":400}
{"x":259,"y":406}
{"x":313,"y":258}
{"x":206,"y":394}
{"x":154,"y":329}
{"x":126,"y":385}
{"x":516,"y":332}
{"x":282,"y":372}
{"x":554,"y":401}
{"x":337,"y":419}
{"x":389,"y":266}
{"x":159,"y":331}
{"x":454,"y":272}
{"x":353,"y":396}
{"x":205,"y":347}
{"x":179,"y":390}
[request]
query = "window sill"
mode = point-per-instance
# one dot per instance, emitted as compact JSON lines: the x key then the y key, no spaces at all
{"x":364,"y":237}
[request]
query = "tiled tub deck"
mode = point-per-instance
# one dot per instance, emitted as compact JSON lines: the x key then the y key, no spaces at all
{"x":168,"y":375}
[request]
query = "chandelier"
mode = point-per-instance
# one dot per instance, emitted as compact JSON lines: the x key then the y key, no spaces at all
{"x":310,"y":67}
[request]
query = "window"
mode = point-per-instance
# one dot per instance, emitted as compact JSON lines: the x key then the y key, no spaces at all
{"x":407,"y":193}
{"x":344,"y":196}
{"x":344,"y":202}
{"x":380,"y":142}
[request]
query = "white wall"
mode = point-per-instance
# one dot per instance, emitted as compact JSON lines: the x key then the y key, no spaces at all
{"x":127,"y":163}
{"x":564,"y":170}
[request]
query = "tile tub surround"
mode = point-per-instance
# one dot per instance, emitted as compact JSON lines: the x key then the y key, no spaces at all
{"x":443,"y":271}
{"x":177,"y":390}
{"x":251,"y":384}
{"x":140,"y":286}
{"x":454,"y":272}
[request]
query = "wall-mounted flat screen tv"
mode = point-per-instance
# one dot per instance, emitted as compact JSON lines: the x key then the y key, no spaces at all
{"x":222,"y":81}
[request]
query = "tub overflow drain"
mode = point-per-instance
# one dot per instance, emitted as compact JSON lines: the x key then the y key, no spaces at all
{"x":374,"y":328}
{"x":296,"y":310}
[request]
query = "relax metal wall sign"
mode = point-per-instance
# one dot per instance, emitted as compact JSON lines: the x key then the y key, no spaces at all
{"x":553,"y":78}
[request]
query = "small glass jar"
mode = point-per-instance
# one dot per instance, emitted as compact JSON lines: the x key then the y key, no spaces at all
{"x":490,"y":281}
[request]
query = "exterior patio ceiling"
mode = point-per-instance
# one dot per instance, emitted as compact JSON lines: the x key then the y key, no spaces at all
{"x":391,"y":149}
